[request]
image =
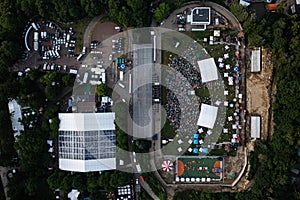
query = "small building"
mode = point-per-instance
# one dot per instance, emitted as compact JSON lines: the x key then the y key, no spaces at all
{"x":255,"y":127}
{"x":256,"y":60}
{"x":200,"y":16}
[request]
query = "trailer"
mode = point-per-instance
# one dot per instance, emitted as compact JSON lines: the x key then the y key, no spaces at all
{"x":68,"y":37}
{"x":73,"y":71}
{"x":103,"y":77}
{"x":35,"y":36}
{"x":36,"y":46}
{"x":121,"y":75}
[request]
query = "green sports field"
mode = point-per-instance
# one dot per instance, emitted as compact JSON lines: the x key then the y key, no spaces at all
{"x":198,"y":167}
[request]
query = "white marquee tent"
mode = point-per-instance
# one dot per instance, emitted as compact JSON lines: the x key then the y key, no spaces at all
{"x":207,"y":116}
{"x":208,"y":70}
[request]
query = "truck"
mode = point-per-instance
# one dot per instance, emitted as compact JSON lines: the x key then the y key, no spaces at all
{"x":35,"y":45}
{"x":34,"y":26}
{"x":36,"y":36}
{"x":73,"y":71}
{"x":121,"y":75}
{"x":79,"y":57}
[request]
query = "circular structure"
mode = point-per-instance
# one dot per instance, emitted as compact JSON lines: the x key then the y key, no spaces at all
{"x":167,"y":166}
{"x":180,"y":168}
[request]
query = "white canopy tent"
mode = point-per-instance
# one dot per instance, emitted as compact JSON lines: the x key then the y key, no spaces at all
{"x":207,"y":116}
{"x":256,"y":60}
{"x":255,"y":127}
{"x":208,"y":70}
{"x":73,"y":195}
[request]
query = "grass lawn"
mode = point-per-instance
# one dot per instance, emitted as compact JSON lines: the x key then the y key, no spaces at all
{"x":168,"y":131}
{"x":202,"y":92}
{"x":155,"y":185}
{"x":198,"y":35}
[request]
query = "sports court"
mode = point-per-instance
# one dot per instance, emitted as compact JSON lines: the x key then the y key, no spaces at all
{"x":199,"y":169}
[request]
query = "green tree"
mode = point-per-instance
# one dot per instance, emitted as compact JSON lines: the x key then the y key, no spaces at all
{"x":68,"y":79}
{"x":239,"y":11}
{"x":55,"y":180}
{"x":162,"y":12}
{"x":101,"y":89}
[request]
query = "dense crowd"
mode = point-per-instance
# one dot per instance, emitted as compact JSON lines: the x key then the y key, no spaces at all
{"x":182,"y":108}
{"x":184,"y":67}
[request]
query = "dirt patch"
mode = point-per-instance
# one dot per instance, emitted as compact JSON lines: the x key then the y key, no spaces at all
{"x":103,"y":31}
{"x":258,"y":92}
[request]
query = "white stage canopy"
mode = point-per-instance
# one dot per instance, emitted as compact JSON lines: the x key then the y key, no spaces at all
{"x":207,"y":116}
{"x":208,"y":70}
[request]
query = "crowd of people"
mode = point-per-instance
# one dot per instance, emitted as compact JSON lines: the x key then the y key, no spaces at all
{"x":185,"y":68}
{"x":182,"y":107}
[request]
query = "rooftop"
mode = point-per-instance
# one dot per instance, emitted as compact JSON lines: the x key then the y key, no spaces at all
{"x":200,"y":15}
{"x":87,"y":142}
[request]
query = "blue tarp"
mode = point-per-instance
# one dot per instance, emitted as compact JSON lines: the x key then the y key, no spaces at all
{"x":196,"y":136}
{"x":236,"y":69}
{"x":205,"y":150}
{"x":196,"y":141}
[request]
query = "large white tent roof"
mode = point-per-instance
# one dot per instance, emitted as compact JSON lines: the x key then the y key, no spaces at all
{"x":255,"y":127}
{"x":87,"y":165}
{"x":208,"y":70}
{"x":207,"y":116}
{"x":87,"y":142}
{"x":86,"y":121}
{"x":256,"y":60}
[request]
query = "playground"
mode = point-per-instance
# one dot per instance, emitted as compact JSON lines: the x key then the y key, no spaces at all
{"x":199,"y":169}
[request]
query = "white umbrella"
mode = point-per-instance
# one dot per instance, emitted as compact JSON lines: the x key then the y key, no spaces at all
{"x":209,"y":132}
{"x":179,"y":149}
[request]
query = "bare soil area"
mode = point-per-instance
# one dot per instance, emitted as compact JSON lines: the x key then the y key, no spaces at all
{"x":103,"y":31}
{"x":258,"y":92}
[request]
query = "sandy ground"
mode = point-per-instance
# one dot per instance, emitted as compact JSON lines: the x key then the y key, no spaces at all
{"x":258,"y":86}
{"x":103,"y":31}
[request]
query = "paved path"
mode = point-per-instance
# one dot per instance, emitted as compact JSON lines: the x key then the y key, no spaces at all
{"x":3,"y":174}
{"x":89,"y":28}
{"x":147,"y":188}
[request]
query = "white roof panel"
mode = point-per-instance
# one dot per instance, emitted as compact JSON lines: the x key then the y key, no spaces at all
{"x":16,"y":115}
{"x":207,"y":116}
{"x":255,"y":127}
{"x":87,"y":165}
{"x":208,"y":70}
{"x":86,"y":121}
{"x":256,"y":61}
